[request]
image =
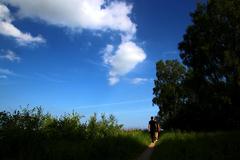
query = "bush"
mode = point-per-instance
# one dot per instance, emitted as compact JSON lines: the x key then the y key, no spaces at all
{"x":31,"y":134}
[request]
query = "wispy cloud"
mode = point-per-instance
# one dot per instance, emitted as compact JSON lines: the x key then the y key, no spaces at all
{"x":4,"y":73}
{"x":8,"y":29}
{"x":10,"y":55}
{"x":139,"y":80}
{"x":134,"y":111}
{"x":3,"y":77}
{"x":113,"y":103}
{"x":48,"y":78}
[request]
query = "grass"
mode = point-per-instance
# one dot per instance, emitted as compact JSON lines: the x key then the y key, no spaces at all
{"x":30,"y":134}
{"x":141,"y":137}
{"x":198,"y":146}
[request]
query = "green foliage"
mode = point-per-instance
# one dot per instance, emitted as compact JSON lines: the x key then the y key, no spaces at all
{"x":104,"y":127}
{"x":168,"y":91}
{"x":31,"y":134}
{"x":198,"y":146}
{"x":206,"y":95}
{"x":25,"y":119}
{"x":211,"y":49}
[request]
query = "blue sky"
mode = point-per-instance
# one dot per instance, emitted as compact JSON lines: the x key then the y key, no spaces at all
{"x":87,"y":55}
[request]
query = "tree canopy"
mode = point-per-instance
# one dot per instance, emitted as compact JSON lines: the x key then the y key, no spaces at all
{"x":168,"y":88}
{"x":210,"y":86}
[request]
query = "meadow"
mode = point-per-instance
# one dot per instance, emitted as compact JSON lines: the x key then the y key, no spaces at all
{"x":29,"y":134}
{"x":198,"y":146}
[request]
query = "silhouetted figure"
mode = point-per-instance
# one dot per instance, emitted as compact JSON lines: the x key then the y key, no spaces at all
{"x":152,"y":129}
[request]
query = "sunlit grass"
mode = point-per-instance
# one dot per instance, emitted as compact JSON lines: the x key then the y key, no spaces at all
{"x":142,"y":136}
{"x":198,"y":146}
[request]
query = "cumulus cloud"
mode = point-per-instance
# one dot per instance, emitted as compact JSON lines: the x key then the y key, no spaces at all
{"x":97,"y":15}
{"x":84,"y":14}
{"x":11,"y":56}
{"x":4,"y":13}
{"x":139,"y":80}
{"x":8,"y":29}
{"x":123,"y":60}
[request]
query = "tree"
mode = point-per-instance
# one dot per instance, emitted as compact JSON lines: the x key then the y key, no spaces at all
{"x":205,"y":95}
{"x":168,"y":93}
{"x":211,"y":49}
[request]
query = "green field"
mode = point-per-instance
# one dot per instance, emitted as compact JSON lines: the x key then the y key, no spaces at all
{"x":29,"y":134}
{"x":198,"y":146}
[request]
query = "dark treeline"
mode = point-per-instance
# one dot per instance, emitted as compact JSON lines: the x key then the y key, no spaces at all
{"x":29,"y":134}
{"x":203,"y":92}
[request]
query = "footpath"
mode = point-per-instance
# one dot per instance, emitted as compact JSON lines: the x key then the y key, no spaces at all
{"x":148,"y":152}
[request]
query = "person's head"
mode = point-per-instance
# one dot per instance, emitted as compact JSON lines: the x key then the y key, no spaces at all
{"x":151,"y":117}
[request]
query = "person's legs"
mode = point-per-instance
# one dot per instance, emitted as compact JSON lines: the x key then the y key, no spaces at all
{"x":152,"y":134}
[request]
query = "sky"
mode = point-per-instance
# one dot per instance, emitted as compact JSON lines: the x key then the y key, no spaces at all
{"x":88,"y":56}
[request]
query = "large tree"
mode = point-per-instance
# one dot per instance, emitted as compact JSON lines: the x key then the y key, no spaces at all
{"x":168,"y":92}
{"x":211,"y":49}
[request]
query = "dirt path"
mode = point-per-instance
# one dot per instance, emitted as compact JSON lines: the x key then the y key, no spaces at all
{"x":147,"y":153}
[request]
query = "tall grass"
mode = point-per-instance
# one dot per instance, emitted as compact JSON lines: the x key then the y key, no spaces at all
{"x":198,"y":146}
{"x":29,"y":134}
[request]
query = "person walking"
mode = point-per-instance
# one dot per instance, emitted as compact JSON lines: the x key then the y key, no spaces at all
{"x":152,"y":129}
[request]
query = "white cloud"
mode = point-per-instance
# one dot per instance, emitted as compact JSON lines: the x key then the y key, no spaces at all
{"x":108,"y":53}
{"x":96,"y":15}
{"x":8,"y":29}
{"x":50,"y":78}
{"x":113,"y":80}
{"x":11,"y":56}
{"x":4,"y":73}
{"x":75,"y":14}
{"x":139,"y":80}
{"x":3,"y":77}
{"x":4,"y":13}
{"x":124,"y":60}
{"x":115,"y":103}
